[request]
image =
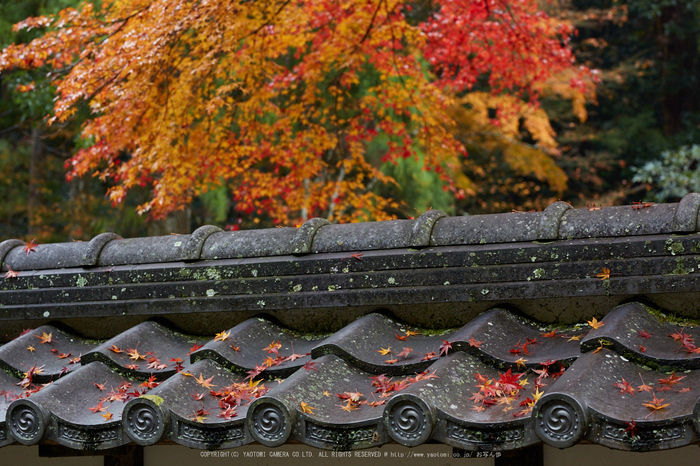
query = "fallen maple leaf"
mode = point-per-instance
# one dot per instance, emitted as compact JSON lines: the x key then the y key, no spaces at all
{"x":115,"y":349}
{"x":223,"y":336}
{"x":99,"y":408}
{"x":631,"y":428}
{"x":644,"y":334}
{"x":671,"y":380}
{"x":472,"y":342}
{"x":551,"y":334}
{"x":107,"y":416}
{"x":134,"y":354}
{"x":406,"y":351}
{"x":273,"y":347}
{"x":30,"y":246}
{"x":45,"y":337}
{"x":11,"y":273}
{"x":200,"y":415}
{"x":625,"y":387}
{"x":411,"y":333}
{"x":151,"y":382}
{"x":100,"y":386}
{"x":604,"y":275}
{"x":595,"y":324}
{"x":400,"y":337}
{"x":655,"y":405}
{"x":384,"y":351}
{"x":520,"y":362}
{"x":306,"y":409}
{"x":310,"y":365}
{"x":228,"y":413}
{"x":31,"y":349}
{"x":641,"y":205}
{"x":445,"y":347}
{"x":206,"y":383}
{"x":194,"y":348}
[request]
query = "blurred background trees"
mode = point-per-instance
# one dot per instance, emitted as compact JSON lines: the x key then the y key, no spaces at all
{"x":633,"y":137}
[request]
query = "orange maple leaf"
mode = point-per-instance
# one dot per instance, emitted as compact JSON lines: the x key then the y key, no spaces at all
{"x":45,"y":337}
{"x":31,"y":349}
{"x":206,"y":383}
{"x":273,"y":347}
{"x":30,"y":246}
{"x":604,"y":274}
{"x":107,"y":416}
{"x":384,"y":351}
{"x":655,"y":405}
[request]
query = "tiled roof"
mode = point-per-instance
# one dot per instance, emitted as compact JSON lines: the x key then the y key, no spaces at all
{"x":470,"y":331}
{"x":341,"y":392}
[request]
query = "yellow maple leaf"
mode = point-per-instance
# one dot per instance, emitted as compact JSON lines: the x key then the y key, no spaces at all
{"x":305,"y":408}
{"x":384,"y":351}
{"x":595,"y":324}
{"x":223,"y":336}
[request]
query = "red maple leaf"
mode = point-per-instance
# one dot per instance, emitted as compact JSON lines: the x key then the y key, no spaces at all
{"x":625,"y":387}
{"x":30,"y":246}
{"x":400,"y":337}
{"x":255,"y":372}
{"x":644,"y":334}
{"x":11,"y":273}
{"x":99,"y":408}
{"x":310,"y":365}
{"x":430,"y":355}
{"x":631,"y":428}
{"x":194,"y":348}
{"x":446,"y":347}
{"x":472,"y":342}
{"x":509,"y":381}
{"x":151,"y":382}
{"x":671,"y":380}
{"x":406,"y":351}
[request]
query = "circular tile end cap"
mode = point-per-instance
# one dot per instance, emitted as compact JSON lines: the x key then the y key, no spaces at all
{"x":409,"y":420}
{"x":144,"y":420}
{"x":270,"y":422}
{"x":26,"y":422}
{"x":560,"y":420}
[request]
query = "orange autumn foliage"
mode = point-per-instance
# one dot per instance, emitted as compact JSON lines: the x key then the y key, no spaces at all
{"x":279,"y":99}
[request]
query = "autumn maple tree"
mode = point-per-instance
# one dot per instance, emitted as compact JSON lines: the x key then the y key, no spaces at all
{"x":295,"y":104}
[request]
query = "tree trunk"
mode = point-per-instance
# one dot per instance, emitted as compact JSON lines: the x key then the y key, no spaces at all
{"x":36,"y":162}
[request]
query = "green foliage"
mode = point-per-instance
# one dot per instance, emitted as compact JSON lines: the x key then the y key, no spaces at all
{"x":676,"y":174}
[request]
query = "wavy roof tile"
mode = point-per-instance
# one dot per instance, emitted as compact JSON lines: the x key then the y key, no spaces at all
{"x":470,"y":331}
